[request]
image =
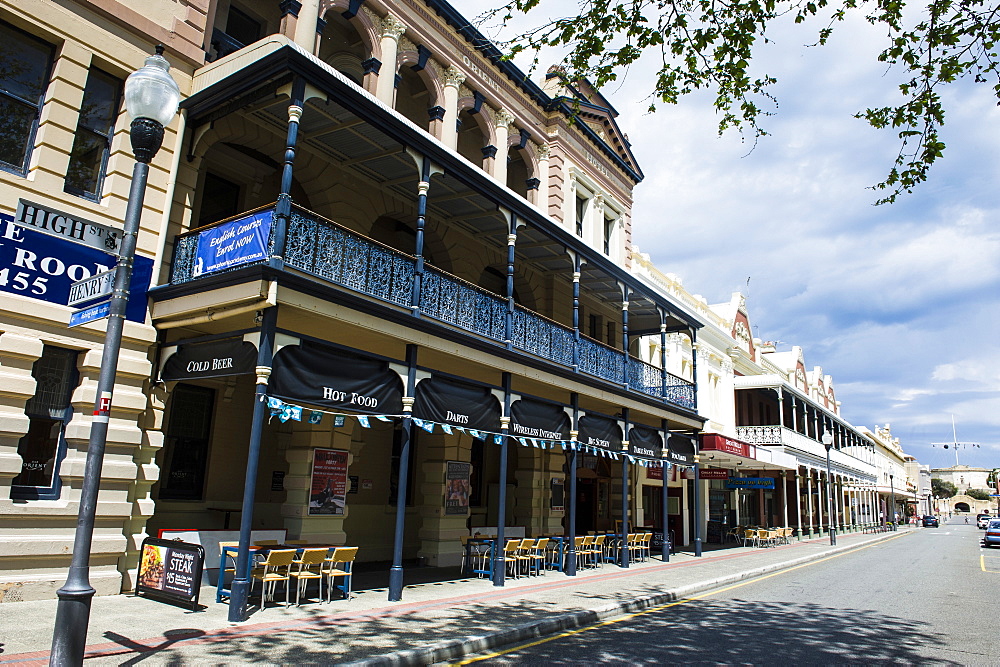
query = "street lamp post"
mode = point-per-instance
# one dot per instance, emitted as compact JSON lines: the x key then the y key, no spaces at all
{"x":151,"y":99}
{"x":828,"y":443}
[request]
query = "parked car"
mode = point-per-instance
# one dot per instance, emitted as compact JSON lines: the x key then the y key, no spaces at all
{"x":930,"y":521}
{"x":992,"y":536}
{"x":982,"y":520}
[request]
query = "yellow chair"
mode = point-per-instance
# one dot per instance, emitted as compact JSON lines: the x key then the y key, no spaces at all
{"x":308,"y":566}
{"x":273,"y":570}
{"x":510,"y":556}
{"x":524,"y":552}
{"x":339,"y":564}
{"x":231,"y":556}
{"x":537,"y":562}
{"x":750,"y":537}
{"x":587,"y":551}
{"x":599,"y":549}
{"x":644,"y":547}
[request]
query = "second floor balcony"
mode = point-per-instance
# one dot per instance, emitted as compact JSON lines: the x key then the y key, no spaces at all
{"x":856,"y":460}
{"x":329,"y":252}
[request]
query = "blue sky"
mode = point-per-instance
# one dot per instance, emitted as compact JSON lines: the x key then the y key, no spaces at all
{"x":899,"y":303}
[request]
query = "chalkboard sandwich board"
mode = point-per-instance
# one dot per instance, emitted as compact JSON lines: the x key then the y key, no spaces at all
{"x":170,"y":571}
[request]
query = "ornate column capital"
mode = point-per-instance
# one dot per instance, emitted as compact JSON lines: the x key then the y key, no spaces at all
{"x":543,"y":151}
{"x":392,"y":27}
{"x":504,"y":118}
{"x":453,"y":77}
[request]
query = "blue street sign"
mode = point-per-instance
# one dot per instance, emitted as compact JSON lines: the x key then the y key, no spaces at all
{"x":93,"y":313}
{"x":39,"y":266}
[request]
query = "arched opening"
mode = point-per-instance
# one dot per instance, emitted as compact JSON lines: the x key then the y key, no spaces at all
{"x":471,"y":138}
{"x":342,"y":47}
{"x":402,"y":236}
{"x":962,"y":507}
{"x":517,"y":173}
{"x":413,"y":99}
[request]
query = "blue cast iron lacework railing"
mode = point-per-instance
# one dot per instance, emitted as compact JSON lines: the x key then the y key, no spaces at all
{"x":331,"y":252}
{"x":542,"y":337}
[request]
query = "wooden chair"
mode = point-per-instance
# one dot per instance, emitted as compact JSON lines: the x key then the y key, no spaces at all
{"x":308,"y":566}
{"x":274,"y":569}
{"x":339,"y":564}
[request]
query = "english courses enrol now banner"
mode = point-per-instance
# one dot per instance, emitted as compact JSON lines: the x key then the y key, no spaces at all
{"x":42,"y":266}
{"x":234,"y":243}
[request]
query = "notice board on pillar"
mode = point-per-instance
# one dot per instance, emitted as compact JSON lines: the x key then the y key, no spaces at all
{"x":170,"y":571}
{"x":458,"y":488}
{"x":328,"y":490}
{"x":558,"y":500}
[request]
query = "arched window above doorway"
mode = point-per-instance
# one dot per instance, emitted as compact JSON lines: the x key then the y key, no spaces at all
{"x":342,"y":47}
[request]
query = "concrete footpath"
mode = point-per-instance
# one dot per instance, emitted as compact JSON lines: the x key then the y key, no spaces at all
{"x":435,"y":621}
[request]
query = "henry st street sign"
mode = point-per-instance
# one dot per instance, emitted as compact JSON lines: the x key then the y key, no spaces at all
{"x":91,"y":288}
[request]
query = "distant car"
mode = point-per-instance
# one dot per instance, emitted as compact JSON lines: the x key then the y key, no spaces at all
{"x":992,"y":536}
{"x":982,"y":520}
{"x":930,"y":521}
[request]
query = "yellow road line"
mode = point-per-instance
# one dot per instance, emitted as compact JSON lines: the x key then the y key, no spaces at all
{"x":570,"y":633}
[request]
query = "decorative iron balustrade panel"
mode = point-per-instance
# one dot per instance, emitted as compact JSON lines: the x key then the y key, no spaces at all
{"x":562,"y":345}
{"x":348,"y":259}
{"x":300,"y":246}
{"x":644,"y":377}
{"x":759,"y":435}
{"x":601,"y":361}
{"x":462,"y":305}
{"x":679,"y":392}
{"x":185,"y":251}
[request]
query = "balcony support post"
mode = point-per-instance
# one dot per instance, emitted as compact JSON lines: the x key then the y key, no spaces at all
{"x":283,"y":208}
{"x":625,"y":297}
{"x":406,"y":437}
{"x":572,"y":464}
{"x":577,"y":265}
{"x":784,"y":497}
{"x":511,"y":242}
{"x":499,"y":564}
{"x":665,"y":544}
{"x":694,"y":368}
{"x":663,"y":360}
{"x":798,"y":503}
{"x":809,"y":495}
{"x":418,"y":268}
{"x":623,"y":551}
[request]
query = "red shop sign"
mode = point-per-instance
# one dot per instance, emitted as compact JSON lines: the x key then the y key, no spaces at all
{"x":714,"y":442}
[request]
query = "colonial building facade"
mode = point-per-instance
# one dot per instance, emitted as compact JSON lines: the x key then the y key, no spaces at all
{"x":388,"y":290}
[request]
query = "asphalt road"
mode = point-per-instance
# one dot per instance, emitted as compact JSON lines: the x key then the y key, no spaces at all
{"x":925,"y":597}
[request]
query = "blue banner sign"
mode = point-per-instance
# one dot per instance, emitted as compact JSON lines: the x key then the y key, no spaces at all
{"x":233,"y":244}
{"x":750,"y":483}
{"x":44,"y":267}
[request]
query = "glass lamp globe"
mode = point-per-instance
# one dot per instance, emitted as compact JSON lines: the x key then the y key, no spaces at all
{"x":150,"y":91}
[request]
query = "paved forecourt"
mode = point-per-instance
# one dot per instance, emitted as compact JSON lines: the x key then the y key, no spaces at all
{"x":436,"y":621}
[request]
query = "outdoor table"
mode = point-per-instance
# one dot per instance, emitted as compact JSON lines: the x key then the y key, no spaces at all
{"x":490,"y":542}
{"x":561,"y":541}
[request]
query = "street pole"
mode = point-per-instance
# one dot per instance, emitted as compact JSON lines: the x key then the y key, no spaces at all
{"x":697,"y":509}
{"x":828,"y":443}
{"x":151,"y":98}
{"x":892,"y":493}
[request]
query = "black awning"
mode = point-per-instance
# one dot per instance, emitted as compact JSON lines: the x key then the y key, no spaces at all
{"x":682,"y":449}
{"x":323,"y":376}
{"x":218,"y":358}
{"x":600,"y":432}
{"x":535,"y":419}
{"x":645,"y":442}
{"x":447,"y":401}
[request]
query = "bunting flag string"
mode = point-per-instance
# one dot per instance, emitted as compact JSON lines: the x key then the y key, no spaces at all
{"x":287,"y":411}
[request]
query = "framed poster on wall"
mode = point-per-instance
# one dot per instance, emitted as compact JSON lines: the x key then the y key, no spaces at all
{"x":557,"y":502}
{"x":328,"y":491}
{"x":458,"y":487}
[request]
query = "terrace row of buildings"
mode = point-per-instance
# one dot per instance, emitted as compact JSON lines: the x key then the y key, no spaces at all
{"x":420,"y":259}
